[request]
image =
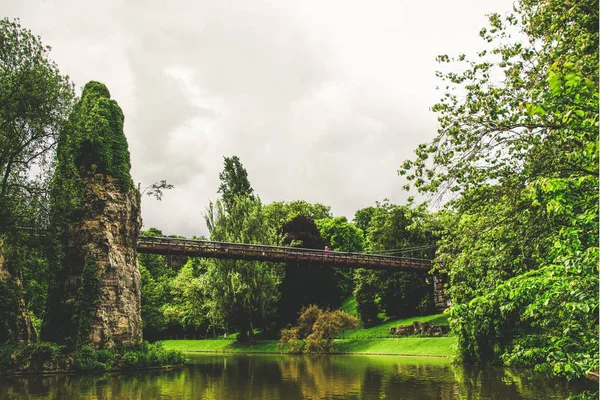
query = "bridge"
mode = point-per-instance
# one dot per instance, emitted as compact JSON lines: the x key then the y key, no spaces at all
{"x":256,"y":252}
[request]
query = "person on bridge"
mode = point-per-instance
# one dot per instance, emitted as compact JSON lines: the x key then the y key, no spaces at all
{"x":326,"y":250}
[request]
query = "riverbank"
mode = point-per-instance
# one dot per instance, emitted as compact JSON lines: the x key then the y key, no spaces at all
{"x":376,"y":340}
{"x":409,"y":346}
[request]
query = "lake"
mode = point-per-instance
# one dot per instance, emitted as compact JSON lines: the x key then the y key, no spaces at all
{"x":269,"y":377}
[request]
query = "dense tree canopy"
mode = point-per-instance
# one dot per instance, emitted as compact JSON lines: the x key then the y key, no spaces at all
{"x":519,"y":143}
{"x":35,"y":99}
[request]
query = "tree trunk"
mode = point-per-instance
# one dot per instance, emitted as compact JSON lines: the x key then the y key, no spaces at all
{"x":251,"y":340}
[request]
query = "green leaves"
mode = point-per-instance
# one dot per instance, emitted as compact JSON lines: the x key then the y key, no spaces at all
{"x":518,"y":141}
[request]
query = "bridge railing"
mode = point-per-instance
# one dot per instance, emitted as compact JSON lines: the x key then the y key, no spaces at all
{"x":226,"y":250}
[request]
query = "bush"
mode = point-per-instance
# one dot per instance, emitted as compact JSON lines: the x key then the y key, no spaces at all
{"x":31,"y":357}
{"x":130,"y":360}
{"x":150,"y":355}
{"x":317,"y":327}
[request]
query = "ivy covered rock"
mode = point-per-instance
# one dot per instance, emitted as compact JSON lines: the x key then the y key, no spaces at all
{"x":95,"y":223}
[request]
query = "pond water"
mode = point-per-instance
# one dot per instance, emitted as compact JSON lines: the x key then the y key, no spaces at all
{"x":271,"y":377}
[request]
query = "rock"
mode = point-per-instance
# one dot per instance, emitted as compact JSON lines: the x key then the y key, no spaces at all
{"x":108,"y":233}
{"x":418,"y":328}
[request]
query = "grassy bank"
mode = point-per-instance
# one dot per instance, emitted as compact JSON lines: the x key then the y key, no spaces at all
{"x":374,"y":340}
{"x":383,"y":330}
{"x":423,"y":346}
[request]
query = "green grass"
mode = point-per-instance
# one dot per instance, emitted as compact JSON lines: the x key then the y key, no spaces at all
{"x":424,"y":346}
{"x":221,"y":346}
{"x":383,"y":330}
{"x":349,"y":306}
{"x":375,"y":340}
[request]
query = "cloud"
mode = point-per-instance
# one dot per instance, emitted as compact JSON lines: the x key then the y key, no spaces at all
{"x":321,"y":100}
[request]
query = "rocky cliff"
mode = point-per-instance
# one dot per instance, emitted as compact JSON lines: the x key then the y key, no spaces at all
{"x":108,"y":234}
{"x":95,"y":222}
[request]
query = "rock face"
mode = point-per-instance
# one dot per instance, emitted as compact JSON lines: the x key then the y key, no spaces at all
{"x":95,"y":222}
{"x":108,"y":235}
{"x":418,"y":328}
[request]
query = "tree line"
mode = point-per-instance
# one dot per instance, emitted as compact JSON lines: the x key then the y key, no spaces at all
{"x":194,"y":297}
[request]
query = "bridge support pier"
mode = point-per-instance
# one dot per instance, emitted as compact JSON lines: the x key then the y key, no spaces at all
{"x":440,"y":295}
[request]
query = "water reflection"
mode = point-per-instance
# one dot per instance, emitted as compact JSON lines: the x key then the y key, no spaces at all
{"x":298,"y":377}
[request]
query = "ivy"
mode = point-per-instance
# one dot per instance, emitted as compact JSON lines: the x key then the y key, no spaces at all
{"x":86,"y":303}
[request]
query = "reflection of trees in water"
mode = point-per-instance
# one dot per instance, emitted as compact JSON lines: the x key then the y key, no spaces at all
{"x":356,"y":377}
{"x":489,"y":383}
{"x":297,"y":377}
{"x":319,"y":377}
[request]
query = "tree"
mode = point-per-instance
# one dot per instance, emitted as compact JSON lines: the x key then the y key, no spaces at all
{"x":281,"y":212}
{"x":362,"y":218}
{"x":189,"y":306}
{"x":401,"y":231}
{"x":518,"y":143}
{"x":234,"y":181}
{"x":340,"y":234}
{"x":524,"y":109}
{"x":243,"y":293}
{"x":35,"y":99}
{"x":305,"y":283}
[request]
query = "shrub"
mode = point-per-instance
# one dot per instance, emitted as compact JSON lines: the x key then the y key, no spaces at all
{"x":316,"y":330}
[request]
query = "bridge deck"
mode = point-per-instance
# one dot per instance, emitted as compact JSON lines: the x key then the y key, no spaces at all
{"x":254,"y":252}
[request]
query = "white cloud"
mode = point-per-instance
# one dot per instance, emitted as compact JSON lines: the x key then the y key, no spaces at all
{"x":321,"y":100}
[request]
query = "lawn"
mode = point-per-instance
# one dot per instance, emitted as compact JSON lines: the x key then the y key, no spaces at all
{"x":375,"y":340}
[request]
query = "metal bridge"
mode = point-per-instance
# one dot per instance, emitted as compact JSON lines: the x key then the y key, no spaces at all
{"x":256,"y":252}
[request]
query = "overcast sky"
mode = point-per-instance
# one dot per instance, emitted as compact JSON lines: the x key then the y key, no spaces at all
{"x":320,"y":100}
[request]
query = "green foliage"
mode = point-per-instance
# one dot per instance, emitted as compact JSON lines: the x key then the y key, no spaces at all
{"x":365,"y":293}
{"x":304,"y":282}
{"x":34,"y":357}
{"x":349,"y":306}
{"x":241,"y":293}
{"x":155,"y":293}
{"x":395,"y":293}
{"x":148,"y":356}
{"x":362,"y":218}
{"x":281,"y":212}
{"x":86,"y":303}
{"x":234,"y":181}
{"x":10,"y":295}
{"x":519,"y":142}
{"x":92,"y":142}
{"x":35,"y":99}
{"x":157,"y":189}
{"x":189,"y":305}
{"x":315,"y":330}
{"x":340,"y":234}
{"x":34,"y":102}
{"x":88,"y":359}
{"x":547,"y":317}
